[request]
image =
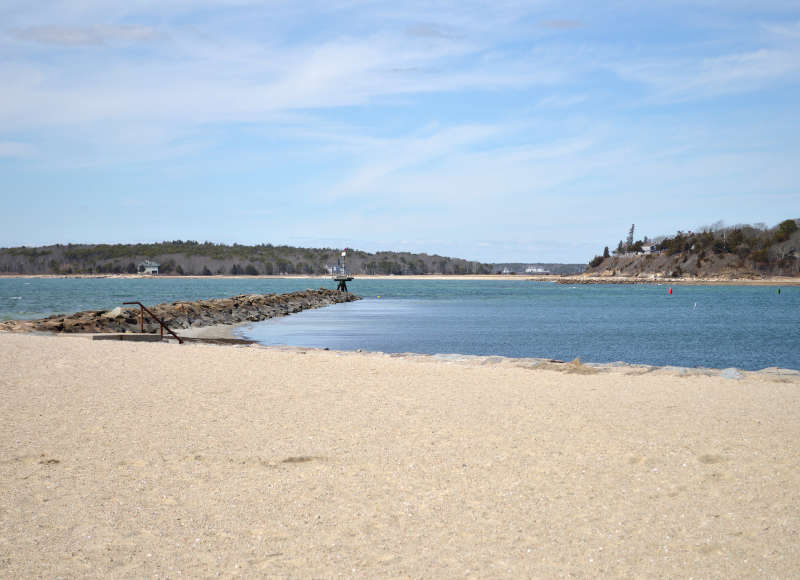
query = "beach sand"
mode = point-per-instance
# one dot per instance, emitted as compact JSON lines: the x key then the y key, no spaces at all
{"x":149,"y":459}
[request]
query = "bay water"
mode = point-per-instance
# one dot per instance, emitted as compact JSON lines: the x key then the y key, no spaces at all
{"x":748,"y":327}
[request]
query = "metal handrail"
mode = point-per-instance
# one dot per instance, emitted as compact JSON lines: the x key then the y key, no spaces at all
{"x":142,"y":310}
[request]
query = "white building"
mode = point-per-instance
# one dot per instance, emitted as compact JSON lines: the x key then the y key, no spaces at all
{"x":336,"y":269}
{"x":148,"y":267}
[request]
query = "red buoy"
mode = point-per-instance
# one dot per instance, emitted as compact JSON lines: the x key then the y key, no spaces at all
{"x":669,"y":291}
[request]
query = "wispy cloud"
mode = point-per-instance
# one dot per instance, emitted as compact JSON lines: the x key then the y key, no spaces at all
{"x":221,"y":76}
{"x":239,"y":81}
{"x":688,"y":79}
{"x":466,"y":165}
{"x":789,"y":30}
{"x":83,"y":36}
{"x":383,"y":159}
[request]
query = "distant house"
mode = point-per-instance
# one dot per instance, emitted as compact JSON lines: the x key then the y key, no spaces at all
{"x":148,"y":267}
{"x":648,"y":248}
{"x":536,"y":270}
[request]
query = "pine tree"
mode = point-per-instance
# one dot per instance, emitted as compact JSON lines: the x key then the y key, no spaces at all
{"x":630,"y":237}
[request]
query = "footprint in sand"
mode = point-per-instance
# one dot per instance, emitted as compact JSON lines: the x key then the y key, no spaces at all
{"x":709,"y":459}
{"x":300,"y":459}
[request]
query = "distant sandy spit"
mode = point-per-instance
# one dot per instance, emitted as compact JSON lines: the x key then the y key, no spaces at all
{"x":143,"y":459}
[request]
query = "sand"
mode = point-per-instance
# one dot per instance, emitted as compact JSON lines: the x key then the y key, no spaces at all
{"x":147,"y":459}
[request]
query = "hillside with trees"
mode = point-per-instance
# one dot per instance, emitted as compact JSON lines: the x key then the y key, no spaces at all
{"x":189,"y":257}
{"x":739,"y":251}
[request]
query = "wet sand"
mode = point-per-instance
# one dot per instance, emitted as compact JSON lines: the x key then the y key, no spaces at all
{"x":213,"y":331}
{"x":142,"y":459}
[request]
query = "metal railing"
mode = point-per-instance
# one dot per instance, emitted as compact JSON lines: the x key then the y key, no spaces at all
{"x":142,"y":310}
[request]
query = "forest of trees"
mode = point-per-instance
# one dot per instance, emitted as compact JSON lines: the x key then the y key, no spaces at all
{"x":189,"y":257}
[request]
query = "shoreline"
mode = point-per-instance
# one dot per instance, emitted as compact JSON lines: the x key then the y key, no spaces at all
{"x":326,"y":277}
{"x":226,"y":332}
{"x":212,"y":332}
{"x":559,"y":279}
{"x":141,"y":459}
{"x":588,"y":280}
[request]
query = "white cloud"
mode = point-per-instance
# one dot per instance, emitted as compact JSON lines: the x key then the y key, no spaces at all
{"x":193,"y":81}
{"x":224,"y":68}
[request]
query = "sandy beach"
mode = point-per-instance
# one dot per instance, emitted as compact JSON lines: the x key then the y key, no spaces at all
{"x":149,"y":459}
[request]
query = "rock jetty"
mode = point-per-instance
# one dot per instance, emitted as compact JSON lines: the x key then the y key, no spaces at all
{"x":179,"y":315}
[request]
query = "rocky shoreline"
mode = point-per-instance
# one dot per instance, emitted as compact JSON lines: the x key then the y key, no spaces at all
{"x":183,"y":315}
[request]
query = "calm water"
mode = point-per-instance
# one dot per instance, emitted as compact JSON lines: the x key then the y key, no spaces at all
{"x":713,"y":326}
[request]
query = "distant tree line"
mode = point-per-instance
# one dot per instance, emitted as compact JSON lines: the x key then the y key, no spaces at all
{"x":189,"y":257}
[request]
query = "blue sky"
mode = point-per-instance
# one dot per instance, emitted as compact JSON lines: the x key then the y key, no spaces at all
{"x":497,"y":131}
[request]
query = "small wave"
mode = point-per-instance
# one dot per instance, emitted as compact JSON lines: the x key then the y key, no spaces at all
{"x":15,"y":298}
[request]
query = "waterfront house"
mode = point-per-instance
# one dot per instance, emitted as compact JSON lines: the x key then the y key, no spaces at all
{"x":148,"y":267}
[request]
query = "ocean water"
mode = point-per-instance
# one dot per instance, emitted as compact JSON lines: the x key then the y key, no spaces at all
{"x":30,"y":298}
{"x":710,"y":326}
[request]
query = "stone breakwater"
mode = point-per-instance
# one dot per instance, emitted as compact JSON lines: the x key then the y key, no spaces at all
{"x":179,"y":315}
